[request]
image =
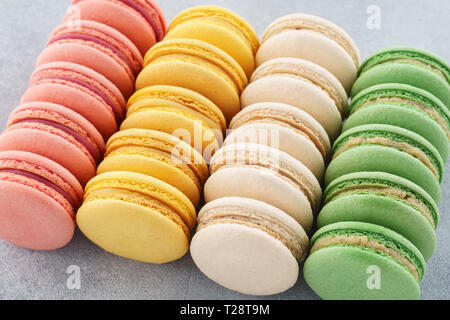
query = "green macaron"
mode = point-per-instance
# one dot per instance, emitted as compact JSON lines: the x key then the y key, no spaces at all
{"x":361,"y":261}
{"x":389,"y":149}
{"x":406,"y":65}
{"x":406,"y":107}
{"x":386,"y":200}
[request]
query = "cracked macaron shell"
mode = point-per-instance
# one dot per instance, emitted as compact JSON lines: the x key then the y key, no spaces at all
{"x":315,"y":39}
{"x":221,"y":28}
{"x":352,"y":250}
{"x":136,"y":216}
{"x":158,"y":155}
{"x":38,"y":199}
{"x":198,"y":66}
{"x":57,"y":133}
{"x":408,"y":66}
{"x":142,"y":21}
{"x":97,"y":46}
{"x":386,"y":200}
{"x":236,"y":235}
{"x":81,"y":89}
{"x":405,"y":106}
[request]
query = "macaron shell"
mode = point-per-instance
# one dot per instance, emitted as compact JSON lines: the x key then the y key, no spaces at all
{"x":121,"y":17}
{"x":196,"y":77}
{"x":244,"y":259}
{"x":299,"y":94}
{"x":403,"y":117}
{"x":281,"y":138}
{"x":33,"y":220}
{"x":344,"y":273}
{"x":61,"y":151}
{"x":312,"y":46}
{"x":384,"y":159}
{"x":151,"y":166}
{"x":213,"y":33}
{"x":383,"y":211}
{"x":404,"y":73}
{"x":262,"y":185}
{"x":154,"y":237}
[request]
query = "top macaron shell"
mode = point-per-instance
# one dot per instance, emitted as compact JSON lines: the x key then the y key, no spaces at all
{"x":220,"y":27}
{"x":57,"y":133}
{"x":409,"y":66}
{"x":97,"y":46}
{"x":38,"y":198}
{"x":142,"y":21}
{"x":80,"y":89}
{"x":315,"y":39}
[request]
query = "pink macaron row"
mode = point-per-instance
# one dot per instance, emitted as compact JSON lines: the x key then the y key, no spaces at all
{"x":75,"y":101}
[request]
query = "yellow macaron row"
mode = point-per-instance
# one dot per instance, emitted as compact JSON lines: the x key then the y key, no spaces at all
{"x":142,"y":204}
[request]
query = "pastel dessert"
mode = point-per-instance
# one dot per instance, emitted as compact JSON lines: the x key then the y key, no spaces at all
{"x":388,"y":149}
{"x":141,"y":21}
{"x":38,"y":201}
{"x":57,"y":133}
{"x":286,"y":116}
{"x":386,"y":200}
{"x":136,"y":216}
{"x":248,"y":246}
{"x":198,"y":66}
{"x":314,"y":39}
{"x":403,"y":106}
{"x":406,"y":65}
{"x":173,"y":110}
{"x":262,"y":173}
{"x":96,"y":46}
{"x":221,"y":28}
{"x":301,"y":84}
{"x":159,"y":155}
{"x":360,"y":261}
{"x":80,"y":89}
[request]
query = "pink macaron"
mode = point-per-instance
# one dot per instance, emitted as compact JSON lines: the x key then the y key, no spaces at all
{"x":142,"y":21}
{"x":38,"y":201}
{"x":80,"y":89}
{"x":97,"y":46}
{"x":58,"y":133}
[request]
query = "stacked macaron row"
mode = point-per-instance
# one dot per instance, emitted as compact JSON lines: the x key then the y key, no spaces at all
{"x":142,"y":205}
{"x":75,"y":101}
{"x":265,"y":187}
{"x":378,"y":226}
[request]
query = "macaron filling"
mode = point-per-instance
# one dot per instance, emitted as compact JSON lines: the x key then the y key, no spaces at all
{"x":98,"y":41}
{"x":93,"y":151}
{"x":253,"y":218}
{"x":372,"y":242}
{"x":43,"y":181}
{"x":392,"y":140}
{"x":388,"y":189}
{"x":411,"y":57}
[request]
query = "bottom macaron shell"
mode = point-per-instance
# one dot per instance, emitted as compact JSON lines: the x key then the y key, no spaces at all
{"x":351,"y":273}
{"x":384,"y":159}
{"x":263,"y":186}
{"x":382,"y":211}
{"x":244,"y":259}
{"x":132,"y":231}
{"x":405,"y":118}
{"x":32,"y":220}
{"x":51,"y":147}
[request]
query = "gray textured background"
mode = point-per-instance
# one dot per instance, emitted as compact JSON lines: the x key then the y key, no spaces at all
{"x":24,"y":27}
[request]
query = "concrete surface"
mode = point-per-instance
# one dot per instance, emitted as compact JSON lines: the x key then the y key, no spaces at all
{"x":24,"y":27}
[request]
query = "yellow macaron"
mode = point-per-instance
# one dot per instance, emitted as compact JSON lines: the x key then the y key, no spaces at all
{"x":221,"y":28}
{"x":198,"y":66}
{"x":138,"y":217}
{"x":180,"y":112}
{"x":158,"y":155}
